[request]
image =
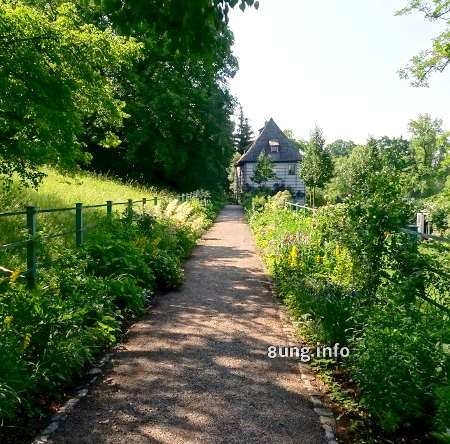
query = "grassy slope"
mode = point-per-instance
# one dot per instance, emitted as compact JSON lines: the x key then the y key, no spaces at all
{"x":59,"y":191}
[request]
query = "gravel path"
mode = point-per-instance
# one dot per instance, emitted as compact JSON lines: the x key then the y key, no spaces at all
{"x":195,"y":369}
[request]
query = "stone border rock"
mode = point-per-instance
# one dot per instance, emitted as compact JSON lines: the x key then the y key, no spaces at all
{"x":326,"y":416}
{"x":61,"y":415}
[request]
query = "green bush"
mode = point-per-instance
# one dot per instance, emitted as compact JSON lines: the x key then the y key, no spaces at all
{"x":167,"y":271}
{"x":398,"y":360}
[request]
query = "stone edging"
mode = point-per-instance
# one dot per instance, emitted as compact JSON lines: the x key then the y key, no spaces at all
{"x":326,"y":416}
{"x":61,"y":415}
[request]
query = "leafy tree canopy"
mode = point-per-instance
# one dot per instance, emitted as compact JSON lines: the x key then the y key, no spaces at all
{"x":340,"y":148}
{"x":316,"y":168}
{"x":436,"y":58}
{"x":300,"y":144}
{"x":429,"y":144}
{"x":186,"y":26}
{"x":56,"y":72}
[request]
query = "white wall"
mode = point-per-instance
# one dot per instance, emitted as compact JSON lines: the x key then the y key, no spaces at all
{"x":281,"y":170}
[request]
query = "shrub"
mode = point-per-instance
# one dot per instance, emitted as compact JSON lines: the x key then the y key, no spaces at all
{"x":167,"y":271}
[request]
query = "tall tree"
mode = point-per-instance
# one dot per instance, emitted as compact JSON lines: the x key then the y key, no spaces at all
{"x":429,"y":144}
{"x":264,"y":169}
{"x":179,"y":133}
{"x":56,"y":73}
{"x":437,"y":58}
{"x":243,"y":135}
{"x":316,"y":168}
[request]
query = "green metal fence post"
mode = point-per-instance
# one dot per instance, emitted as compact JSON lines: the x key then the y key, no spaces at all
{"x":155,"y":200}
{"x":130,"y":210}
{"x":144,"y":203}
{"x":31,"y":246}
{"x":79,"y":233}
{"x":109,"y":205}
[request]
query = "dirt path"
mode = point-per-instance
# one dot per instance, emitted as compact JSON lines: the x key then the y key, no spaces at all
{"x":195,"y":369}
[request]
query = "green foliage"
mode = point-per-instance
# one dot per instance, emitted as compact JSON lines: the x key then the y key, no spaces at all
{"x":192,"y":28}
{"x":340,"y":148}
{"x":56,"y":72}
{"x":392,"y":154}
{"x":264,"y":169}
{"x":429,"y":144}
{"x":437,"y":57}
{"x":317,"y":167}
{"x":167,"y":270}
{"x":179,"y":132}
{"x":298,"y":143}
{"x":73,"y":71}
{"x":399,"y":362}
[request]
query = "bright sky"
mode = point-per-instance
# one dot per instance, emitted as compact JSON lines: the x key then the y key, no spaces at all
{"x":334,"y":63}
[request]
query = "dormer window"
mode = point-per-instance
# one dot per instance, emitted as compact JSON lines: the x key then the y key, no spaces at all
{"x":274,"y":145}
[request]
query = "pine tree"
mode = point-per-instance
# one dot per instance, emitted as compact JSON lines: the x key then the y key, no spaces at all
{"x":244,"y":134}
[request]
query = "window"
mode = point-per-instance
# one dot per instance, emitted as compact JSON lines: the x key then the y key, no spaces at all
{"x":292,"y":169}
{"x":274,"y":144}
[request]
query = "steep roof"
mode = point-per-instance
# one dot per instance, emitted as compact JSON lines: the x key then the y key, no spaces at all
{"x":287,"y":152}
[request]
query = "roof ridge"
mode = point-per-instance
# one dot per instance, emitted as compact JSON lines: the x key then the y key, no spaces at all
{"x":287,"y":151}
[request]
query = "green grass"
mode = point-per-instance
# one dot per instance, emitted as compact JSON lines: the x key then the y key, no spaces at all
{"x":60,"y":191}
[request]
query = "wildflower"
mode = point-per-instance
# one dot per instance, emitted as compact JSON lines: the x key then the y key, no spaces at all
{"x":8,"y":320}
{"x":293,"y":256}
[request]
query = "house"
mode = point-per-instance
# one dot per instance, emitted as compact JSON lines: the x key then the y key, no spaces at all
{"x":285,"y":155}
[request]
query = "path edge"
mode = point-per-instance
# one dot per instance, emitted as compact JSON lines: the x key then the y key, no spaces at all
{"x":325,"y":414}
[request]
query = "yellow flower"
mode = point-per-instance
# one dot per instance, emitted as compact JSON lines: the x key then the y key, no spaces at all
{"x":336,"y":251}
{"x":293,"y":256}
{"x":14,"y":276}
{"x":8,"y":320}
{"x":155,"y":244}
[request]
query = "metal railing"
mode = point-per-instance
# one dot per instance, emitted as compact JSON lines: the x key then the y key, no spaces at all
{"x":425,"y":236}
{"x":297,"y":207}
{"x":31,"y":216}
{"x":31,"y":213}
